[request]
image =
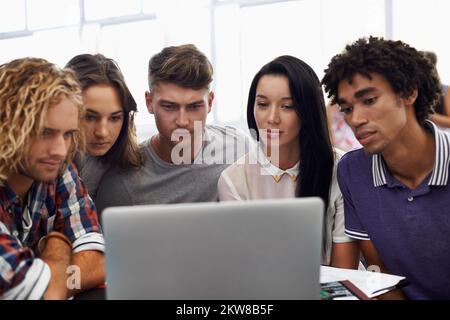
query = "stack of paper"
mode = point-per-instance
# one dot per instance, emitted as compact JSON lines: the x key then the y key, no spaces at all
{"x":372,"y":284}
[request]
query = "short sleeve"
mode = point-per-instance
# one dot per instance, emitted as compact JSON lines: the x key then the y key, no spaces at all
{"x":353,"y":226}
{"x":338,"y":232}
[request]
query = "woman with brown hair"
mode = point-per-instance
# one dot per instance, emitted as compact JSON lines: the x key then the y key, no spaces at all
{"x":108,"y":121}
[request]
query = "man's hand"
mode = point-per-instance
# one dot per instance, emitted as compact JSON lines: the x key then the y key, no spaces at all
{"x":57,"y":253}
{"x":91,"y":264}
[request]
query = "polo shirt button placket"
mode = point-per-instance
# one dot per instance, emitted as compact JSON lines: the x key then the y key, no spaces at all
{"x":410,"y":199}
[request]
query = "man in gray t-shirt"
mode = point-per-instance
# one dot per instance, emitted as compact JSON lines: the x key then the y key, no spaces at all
{"x":183,"y":161}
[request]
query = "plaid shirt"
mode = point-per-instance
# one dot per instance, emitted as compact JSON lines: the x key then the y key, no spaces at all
{"x":63,"y":206}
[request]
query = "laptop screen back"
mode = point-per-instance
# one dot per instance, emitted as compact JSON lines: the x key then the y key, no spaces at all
{"x":265,"y":249}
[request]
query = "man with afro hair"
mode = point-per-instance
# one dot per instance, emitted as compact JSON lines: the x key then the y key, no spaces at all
{"x":396,"y":189}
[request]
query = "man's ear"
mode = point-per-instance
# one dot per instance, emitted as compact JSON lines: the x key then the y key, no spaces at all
{"x":409,"y":101}
{"x":148,"y":101}
{"x":210,"y":100}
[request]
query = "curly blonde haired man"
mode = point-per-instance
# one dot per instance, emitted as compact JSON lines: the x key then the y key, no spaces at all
{"x":51,"y":245}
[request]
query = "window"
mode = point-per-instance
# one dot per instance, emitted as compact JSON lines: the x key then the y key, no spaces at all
{"x":228,"y":106}
{"x":14,"y":48}
{"x":239,"y":36}
{"x":424,"y":25}
{"x":52,"y":13}
{"x":12,"y":15}
{"x":345,"y":21}
{"x":57,"y":46}
{"x":248,"y":36}
{"x":132,"y":54}
{"x":102,"y":9}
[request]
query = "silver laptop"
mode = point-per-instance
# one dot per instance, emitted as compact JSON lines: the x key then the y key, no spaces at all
{"x":253,"y":250}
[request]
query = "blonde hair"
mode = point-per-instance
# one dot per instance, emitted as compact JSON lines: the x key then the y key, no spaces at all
{"x":28,"y":88}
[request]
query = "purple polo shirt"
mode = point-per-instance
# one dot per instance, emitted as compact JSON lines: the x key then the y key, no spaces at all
{"x":409,"y":228}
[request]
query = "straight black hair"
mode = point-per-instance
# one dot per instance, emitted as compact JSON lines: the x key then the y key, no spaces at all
{"x":316,"y":152}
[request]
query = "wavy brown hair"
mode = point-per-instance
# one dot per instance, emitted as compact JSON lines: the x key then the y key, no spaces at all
{"x":183,"y":65}
{"x":97,"y":69}
{"x":28,"y":88}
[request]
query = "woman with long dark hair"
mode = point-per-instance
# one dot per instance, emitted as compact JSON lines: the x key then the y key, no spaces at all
{"x":294,"y":158}
{"x":108,"y":121}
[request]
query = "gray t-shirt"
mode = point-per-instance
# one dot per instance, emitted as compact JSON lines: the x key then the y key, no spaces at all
{"x":90,"y":170}
{"x":159,"y":182}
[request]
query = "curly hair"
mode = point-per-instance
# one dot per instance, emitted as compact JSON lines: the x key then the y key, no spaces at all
{"x":97,"y":69}
{"x":405,"y":68}
{"x":28,"y":88}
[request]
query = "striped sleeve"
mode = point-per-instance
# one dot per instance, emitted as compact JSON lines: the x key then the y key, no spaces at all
{"x":21,"y":275}
{"x":77,"y":215}
{"x":353,"y":226}
{"x":356,"y":234}
{"x":89,"y":241}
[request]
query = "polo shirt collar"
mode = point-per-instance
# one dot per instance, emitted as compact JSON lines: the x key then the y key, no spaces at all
{"x":274,"y":171}
{"x":440,"y":174}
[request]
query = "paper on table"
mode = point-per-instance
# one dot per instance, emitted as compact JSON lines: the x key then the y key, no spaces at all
{"x":371,"y":283}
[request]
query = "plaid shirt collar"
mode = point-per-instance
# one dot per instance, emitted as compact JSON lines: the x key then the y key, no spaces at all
{"x":7,"y":196}
{"x":440,"y":174}
{"x":15,"y":207}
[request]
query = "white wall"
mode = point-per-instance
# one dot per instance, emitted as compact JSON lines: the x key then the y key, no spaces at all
{"x":238,"y":36}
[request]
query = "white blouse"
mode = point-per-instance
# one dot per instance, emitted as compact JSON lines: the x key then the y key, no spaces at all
{"x":254,"y":177}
